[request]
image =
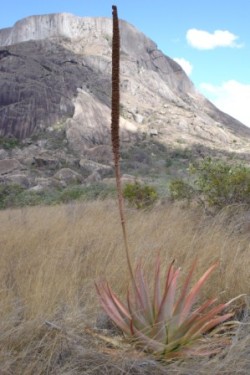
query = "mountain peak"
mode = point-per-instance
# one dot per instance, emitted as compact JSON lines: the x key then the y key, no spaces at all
{"x":81,"y":29}
{"x":57,"y":67}
{"x":52,"y":25}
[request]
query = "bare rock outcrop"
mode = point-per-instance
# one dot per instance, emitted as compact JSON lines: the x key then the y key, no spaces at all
{"x":9,"y":165}
{"x":55,"y":96}
{"x":67,"y":176}
{"x":56,"y":69}
{"x":17,"y":179}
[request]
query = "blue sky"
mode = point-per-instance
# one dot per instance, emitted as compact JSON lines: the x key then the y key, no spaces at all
{"x":210,"y":39}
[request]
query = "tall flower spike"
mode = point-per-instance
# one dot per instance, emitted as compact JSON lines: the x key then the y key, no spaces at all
{"x":115,"y":116}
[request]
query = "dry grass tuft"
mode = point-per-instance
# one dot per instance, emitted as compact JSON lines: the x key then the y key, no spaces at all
{"x":51,"y":256}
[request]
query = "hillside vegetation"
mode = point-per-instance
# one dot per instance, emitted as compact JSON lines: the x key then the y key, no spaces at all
{"x":51,"y":257}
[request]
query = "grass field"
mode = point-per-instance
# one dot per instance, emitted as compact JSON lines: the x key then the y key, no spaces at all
{"x":51,"y":257}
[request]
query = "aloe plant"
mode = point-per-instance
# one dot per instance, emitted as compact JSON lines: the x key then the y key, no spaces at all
{"x":157,"y":321}
{"x":160,"y":322}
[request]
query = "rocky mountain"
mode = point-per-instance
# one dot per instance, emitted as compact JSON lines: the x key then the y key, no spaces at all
{"x":55,"y":89}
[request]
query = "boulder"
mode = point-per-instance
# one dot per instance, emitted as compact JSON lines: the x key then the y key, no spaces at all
{"x":101,"y":154}
{"x":138,"y":118}
{"x":18,"y":179}
{"x":47,"y":182}
{"x":49,"y":162}
{"x":3,"y":154}
{"x":92,"y":166}
{"x":67,"y":176}
{"x":29,"y":162}
{"x":94,"y":177}
{"x":9,"y":165}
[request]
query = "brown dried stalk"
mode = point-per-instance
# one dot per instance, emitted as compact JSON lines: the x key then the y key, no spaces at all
{"x":115,"y":116}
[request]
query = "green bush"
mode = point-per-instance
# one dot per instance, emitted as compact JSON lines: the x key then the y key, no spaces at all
{"x":216,"y":183}
{"x":181,"y":190}
{"x":140,"y":196}
{"x":16,"y":196}
{"x":9,"y":143}
{"x":222,"y":184}
{"x":12,"y":195}
{"x":8,"y":193}
{"x":91,"y":192}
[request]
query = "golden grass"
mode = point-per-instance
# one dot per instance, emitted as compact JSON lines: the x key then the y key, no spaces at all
{"x":51,"y":256}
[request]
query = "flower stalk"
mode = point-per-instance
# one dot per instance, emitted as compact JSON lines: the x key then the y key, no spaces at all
{"x":115,"y":126}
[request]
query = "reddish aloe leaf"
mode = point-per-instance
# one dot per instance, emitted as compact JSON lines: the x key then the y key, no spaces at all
{"x":199,"y":325}
{"x":138,"y":319}
{"x":166,"y":307}
{"x":190,"y":299}
{"x":118,"y":306}
{"x":204,"y":306}
{"x":147,"y":308}
{"x":116,"y":317}
{"x":137,"y":296}
{"x":183,"y":295}
{"x":214,"y":322}
{"x":157,"y":287}
{"x":167,"y":303}
{"x":111,"y":297}
{"x":114,"y":308}
{"x":170,"y":274}
{"x":209,"y":325}
{"x":176,"y":330}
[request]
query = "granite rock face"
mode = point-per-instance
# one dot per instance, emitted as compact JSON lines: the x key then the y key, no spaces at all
{"x":55,"y":95}
{"x":56,"y":69}
{"x":38,"y":81}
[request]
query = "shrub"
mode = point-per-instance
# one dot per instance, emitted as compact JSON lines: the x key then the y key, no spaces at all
{"x":12,"y":195}
{"x":140,"y":196}
{"x":72,"y":193}
{"x":222,"y":184}
{"x":216,"y":183}
{"x":180,"y":190}
{"x":91,"y":192}
{"x":9,"y":143}
{"x":8,"y":193}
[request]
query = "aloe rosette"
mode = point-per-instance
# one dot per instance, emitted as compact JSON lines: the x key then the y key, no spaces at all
{"x":160,"y":322}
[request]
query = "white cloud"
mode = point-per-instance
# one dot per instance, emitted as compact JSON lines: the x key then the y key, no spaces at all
{"x":201,"y":39}
{"x":186,"y":65}
{"x":232,"y":97}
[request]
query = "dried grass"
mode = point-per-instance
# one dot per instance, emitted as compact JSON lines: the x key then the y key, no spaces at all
{"x":51,"y":256}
